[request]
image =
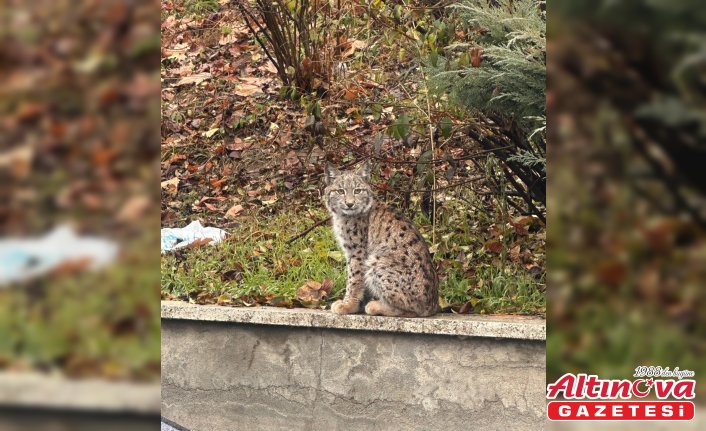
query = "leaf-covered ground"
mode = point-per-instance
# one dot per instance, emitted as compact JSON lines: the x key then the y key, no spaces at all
{"x":243,"y":153}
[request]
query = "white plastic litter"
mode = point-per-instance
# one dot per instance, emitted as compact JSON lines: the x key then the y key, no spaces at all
{"x":175,"y":238}
{"x":24,"y":259}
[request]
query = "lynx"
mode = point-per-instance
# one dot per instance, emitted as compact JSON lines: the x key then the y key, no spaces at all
{"x":387,"y":258}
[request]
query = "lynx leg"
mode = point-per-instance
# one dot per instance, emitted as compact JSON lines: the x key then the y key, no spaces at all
{"x":355,"y":289}
{"x":392,"y":289}
{"x":343,"y":306}
{"x":381,"y":308}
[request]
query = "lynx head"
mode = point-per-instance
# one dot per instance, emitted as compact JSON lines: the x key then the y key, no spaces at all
{"x":348,"y":193}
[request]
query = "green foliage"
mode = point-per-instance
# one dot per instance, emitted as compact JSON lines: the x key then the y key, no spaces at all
{"x":400,"y":128}
{"x":498,"y":74}
{"x":200,"y":7}
{"x":679,"y":46}
{"x":528,"y":159}
{"x":511,"y":74}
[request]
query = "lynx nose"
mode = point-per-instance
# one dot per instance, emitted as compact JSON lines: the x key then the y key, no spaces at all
{"x":349,"y":204}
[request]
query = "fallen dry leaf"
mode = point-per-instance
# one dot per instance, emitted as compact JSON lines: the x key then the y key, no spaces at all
{"x":313,"y":291}
{"x":239,"y":145}
{"x":270,"y":67}
{"x":234,"y":211}
{"x":350,"y":95}
{"x":216,"y":182}
{"x":210,"y":207}
{"x":493,"y":246}
{"x":476,"y":56}
{"x":174,"y":159}
{"x":194,"y":79}
{"x":269,"y":200}
{"x":168,"y":217}
{"x":350,"y":47}
{"x":199,"y":242}
{"x":245,"y":90}
{"x":520,"y":227}
{"x":71,"y":266}
{"x":18,"y":160}
{"x":205,"y":297}
{"x":466,"y":308}
{"x":133,"y":209}
{"x":515,"y":253}
{"x":327,"y":285}
{"x":227,"y":39}
{"x":232,"y":275}
{"x":171,"y":186}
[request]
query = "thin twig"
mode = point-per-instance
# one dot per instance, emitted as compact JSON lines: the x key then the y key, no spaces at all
{"x":476,"y":155}
{"x":306,"y":232}
{"x":246,"y":14}
{"x":450,"y":186}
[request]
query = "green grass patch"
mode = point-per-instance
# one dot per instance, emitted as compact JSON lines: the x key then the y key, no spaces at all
{"x":104,"y":323}
{"x":257,"y":266}
{"x":502,"y":290}
{"x":200,"y":7}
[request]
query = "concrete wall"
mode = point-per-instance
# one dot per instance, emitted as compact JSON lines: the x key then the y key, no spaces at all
{"x":243,"y":376}
{"x":39,"y":419}
{"x":33,"y":401}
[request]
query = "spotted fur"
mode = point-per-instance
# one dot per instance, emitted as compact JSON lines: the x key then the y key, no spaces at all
{"x":387,"y":257}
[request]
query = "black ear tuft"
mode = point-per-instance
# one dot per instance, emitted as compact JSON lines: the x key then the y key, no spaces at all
{"x":331,"y":173}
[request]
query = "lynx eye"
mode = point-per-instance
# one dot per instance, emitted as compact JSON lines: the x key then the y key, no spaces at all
{"x":358,"y":191}
{"x":339,"y":191}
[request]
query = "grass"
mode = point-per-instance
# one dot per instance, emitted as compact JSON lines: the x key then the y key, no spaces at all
{"x":494,"y":290}
{"x":200,"y":7}
{"x":102,"y":323}
{"x":257,"y":266}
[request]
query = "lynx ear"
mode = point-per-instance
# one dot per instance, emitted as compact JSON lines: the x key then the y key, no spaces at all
{"x":331,"y":173}
{"x":364,"y":171}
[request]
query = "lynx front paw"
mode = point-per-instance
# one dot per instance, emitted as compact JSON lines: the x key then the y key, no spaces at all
{"x":373,"y":308}
{"x":344,"y":307}
{"x":379,"y":308}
